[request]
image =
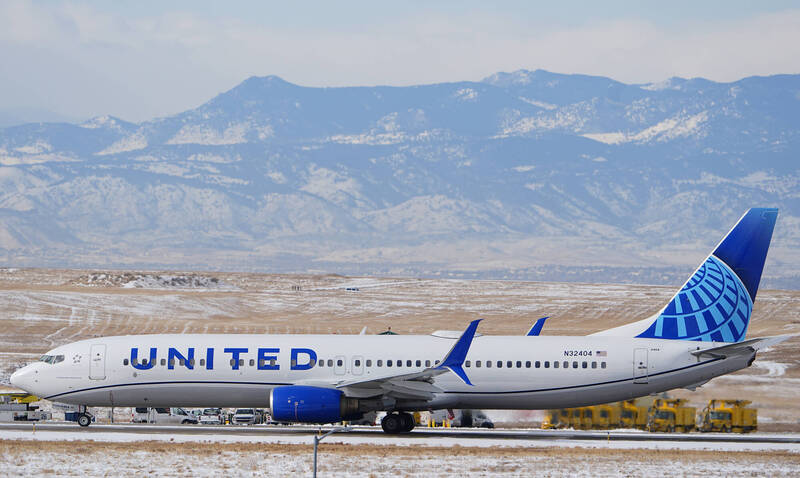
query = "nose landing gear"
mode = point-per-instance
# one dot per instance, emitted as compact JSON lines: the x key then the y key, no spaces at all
{"x":394,"y":423}
{"x":84,"y":418}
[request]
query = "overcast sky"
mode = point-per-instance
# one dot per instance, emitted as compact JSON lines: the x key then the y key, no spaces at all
{"x":142,"y":59}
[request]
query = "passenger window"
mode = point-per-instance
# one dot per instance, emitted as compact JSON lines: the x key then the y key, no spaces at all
{"x":233,"y":362}
{"x":555,"y":364}
{"x":537,"y":364}
{"x":467,"y":363}
{"x":144,"y":361}
{"x":408,"y":363}
{"x":330,"y":362}
{"x":241,"y":362}
{"x":357,"y":363}
{"x":369,"y":363}
{"x":519,"y":364}
{"x":380,"y":363}
{"x":594,"y":364}
{"x":321,"y":363}
{"x":125,"y":362}
{"x":427,"y":363}
{"x":602,"y":365}
{"x":294,"y":363}
{"x":488,"y":364}
{"x":528,"y":364}
{"x":509,"y":364}
{"x":436,"y":362}
{"x":182,"y":362}
{"x":312,"y":362}
{"x":574,"y":364}
{"x":388,"y":363}
{"x":584,"y":365}
{"x":499,"y":364}
{"x":163,"y":362}
{"x":566,"y":364}
{"x":252,"y":362}
{"x":419,"y":363}
{"x":339,"y":362}
{"x":202,"y":362}
{"x":172,"y":362}
{"x":546,"y":364}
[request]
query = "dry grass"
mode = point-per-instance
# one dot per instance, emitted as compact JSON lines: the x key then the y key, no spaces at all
{"x":88,"y":448}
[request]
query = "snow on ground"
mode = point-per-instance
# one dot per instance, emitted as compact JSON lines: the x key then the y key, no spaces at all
{"x":124,"y":454}
{"x":419,"y":439}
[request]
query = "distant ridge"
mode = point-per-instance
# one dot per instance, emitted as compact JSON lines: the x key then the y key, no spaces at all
{"x":520,"y":174}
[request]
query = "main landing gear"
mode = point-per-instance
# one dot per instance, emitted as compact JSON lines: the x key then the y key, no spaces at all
{"x":395,"y":423}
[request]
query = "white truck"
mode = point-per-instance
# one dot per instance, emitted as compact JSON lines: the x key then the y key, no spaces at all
{"x":212,"y":416}
{"x":162,"y":415}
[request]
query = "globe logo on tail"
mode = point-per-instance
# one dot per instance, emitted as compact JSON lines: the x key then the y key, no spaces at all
{"x":713,"y":306}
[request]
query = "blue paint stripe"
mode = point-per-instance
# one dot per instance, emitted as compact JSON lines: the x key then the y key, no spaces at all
{"x":701,"y":293}
{"x":659,"y":326}
{"x":681,"y":326}
{"x":170,"y":382}
{"x":701,"y":323}
{"x":727,"y":336}
{"x":572,"y":387}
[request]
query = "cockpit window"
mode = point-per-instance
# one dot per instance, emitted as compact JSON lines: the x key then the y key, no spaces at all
{"x":51,"y":359}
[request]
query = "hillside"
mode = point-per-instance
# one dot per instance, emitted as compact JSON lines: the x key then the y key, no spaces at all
{"x":524,"y":175}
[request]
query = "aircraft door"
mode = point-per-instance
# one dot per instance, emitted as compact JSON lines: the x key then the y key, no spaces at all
{"x":340,"y":365}
{"x":97,"y":362}
{"x":640,"y":366}
{"x":357,"y":365}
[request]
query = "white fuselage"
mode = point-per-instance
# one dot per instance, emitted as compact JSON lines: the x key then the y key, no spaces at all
{"x":592,"y":369}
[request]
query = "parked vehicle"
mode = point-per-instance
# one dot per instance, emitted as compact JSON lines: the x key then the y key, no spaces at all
{"x":671,"y":415}
{"x":162,"y":415}
{"x":245,"y":416}
{"x":212,"y":416}
{"x":729,"y":416}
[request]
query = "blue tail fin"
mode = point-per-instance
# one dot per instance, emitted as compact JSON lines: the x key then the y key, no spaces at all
{"x":716,"y":302}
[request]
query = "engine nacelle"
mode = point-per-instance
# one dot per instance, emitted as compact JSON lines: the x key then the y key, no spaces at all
{"x":300,"y":403}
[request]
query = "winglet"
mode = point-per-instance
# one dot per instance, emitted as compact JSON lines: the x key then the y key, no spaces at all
{"x":454,"y":360}
{"x":537,"y":327}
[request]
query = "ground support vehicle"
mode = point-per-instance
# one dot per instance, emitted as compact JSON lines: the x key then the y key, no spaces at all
{"x":728,"y":416}
{"x":671,"y":415}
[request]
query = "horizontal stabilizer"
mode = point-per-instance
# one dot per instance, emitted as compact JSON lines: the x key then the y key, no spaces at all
{"x":744,"y":347}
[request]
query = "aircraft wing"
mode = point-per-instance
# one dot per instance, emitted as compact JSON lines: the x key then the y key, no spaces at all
{"x":739,"y":348}
{"x":416,"y":385}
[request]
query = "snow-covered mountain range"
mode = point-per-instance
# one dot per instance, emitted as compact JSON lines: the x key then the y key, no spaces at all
{"x":529,"y":174}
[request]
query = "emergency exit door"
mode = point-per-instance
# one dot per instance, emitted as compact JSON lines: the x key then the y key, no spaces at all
{"x":97,"y":362}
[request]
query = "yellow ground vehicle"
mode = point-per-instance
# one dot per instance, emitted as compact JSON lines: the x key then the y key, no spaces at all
{"x":556,"y":418}
{"x":606,"y":416}
{"x":671,"y":415}
{"x":729,"y":416}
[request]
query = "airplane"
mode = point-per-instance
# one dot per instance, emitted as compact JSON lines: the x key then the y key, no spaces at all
{"x":698,"y":335}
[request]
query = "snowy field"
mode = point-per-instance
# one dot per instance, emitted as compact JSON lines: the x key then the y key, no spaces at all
{"x":120,"y":454}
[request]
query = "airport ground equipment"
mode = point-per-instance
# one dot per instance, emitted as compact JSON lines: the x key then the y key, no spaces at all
{"x":671,"y":415}
{"x":728,"y":416}
{"x":16,"y":407}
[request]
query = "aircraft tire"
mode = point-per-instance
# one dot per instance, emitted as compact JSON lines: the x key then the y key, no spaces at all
{"x":406,"y":422}
{"x":84,"y":420}
{"x":392,"y":424}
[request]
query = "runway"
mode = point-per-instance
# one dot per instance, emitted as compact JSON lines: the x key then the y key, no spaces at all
{"x":298,"y":433}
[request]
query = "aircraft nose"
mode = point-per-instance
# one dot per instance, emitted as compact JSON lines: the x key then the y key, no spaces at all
{"x":22,"y":378}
